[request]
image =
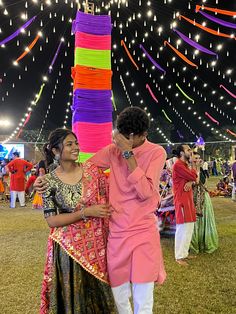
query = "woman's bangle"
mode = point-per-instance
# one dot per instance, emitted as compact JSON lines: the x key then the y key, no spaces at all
{"x":82,"y":213}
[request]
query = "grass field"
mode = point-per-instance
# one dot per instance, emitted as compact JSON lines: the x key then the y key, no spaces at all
{"x":207,"y":286}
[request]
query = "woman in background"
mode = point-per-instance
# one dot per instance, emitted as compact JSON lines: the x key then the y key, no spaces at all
{"x":205,"y":236}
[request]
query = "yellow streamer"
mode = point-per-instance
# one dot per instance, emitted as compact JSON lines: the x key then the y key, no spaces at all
{"x":184,"y":93}
{"x":39,"y":95}
{"x":166,"y":116}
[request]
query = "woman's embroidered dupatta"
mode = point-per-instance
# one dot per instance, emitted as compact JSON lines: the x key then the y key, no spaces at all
{"x":84,"y":241}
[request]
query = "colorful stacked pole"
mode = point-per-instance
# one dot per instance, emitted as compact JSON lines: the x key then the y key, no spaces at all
{"x":92,"y":99}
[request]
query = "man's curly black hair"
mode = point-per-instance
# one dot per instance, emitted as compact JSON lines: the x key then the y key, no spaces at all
{"x":132,"y":120}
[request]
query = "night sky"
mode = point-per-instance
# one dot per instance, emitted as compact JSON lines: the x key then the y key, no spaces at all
{"x":149,"y":25}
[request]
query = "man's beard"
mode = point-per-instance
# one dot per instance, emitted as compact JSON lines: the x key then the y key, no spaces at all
{"x":187,"y":158}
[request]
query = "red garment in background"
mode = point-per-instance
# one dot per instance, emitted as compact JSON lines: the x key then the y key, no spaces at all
{"x":185,"y":210}
{"x":30,"y":182}
{"x":18,"y":169}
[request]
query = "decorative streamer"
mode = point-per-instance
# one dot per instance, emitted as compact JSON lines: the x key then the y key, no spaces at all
{"x":54,"y":58}
{"x":28,"y":49}
{"x":224,"y":12}
{"x":92,"y":96}
{"x":166,"y":116}
{"x":211,"y":118}
{"x":113,"y":101}
{"x":194,"y":44}
{"x":16,"y":33}
{"x":92,"y":24}
{"x":39,"y":94}
{"x":217,"y":20}
{"x":231,"y":132}
{"x":19,"y":133}
{"x":180,"y":54}
{"x":89,"y":41}
{"x":209,"y":30}
{"x":229,"y":92}
{"x":151,"y":92}
{"x":96,"y":97}
{"x":177,"y":85}
{"x":129,"y":55}
{"x":93,"y":136}
{"x":180,"y":135}
{"x":91,"y":78}
{"x":93,"y":106}
{"x":27,"y":119}
{"x":93,"y":58}
{"x":152,"y":60}
{"x":92,"y":116}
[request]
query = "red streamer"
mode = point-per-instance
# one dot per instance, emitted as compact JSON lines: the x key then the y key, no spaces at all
{"x":151,"y":93}
{"x":89,"y":41}
{"x":231,"y":132}
{"x":129,"y":55}
{"x":212,"y":119}
{"x":180,"y":54}
{"x":224,"y":12}
{"x":93,"y":136}
{"x":27,"y":119}
{"x":19,"y":133}
{"x":27,"y":50}
{"x":229,"y":92}
{"x":209,"y":30}
{"x":91,"y":78}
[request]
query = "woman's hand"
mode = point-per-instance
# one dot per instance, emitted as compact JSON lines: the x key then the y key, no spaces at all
{"x":101,"y":211}
{"x":40,"y":185}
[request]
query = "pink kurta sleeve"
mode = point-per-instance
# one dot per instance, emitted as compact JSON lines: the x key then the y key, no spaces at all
{"x":185,"y":173}
{"x":145,"y":183}
{"x":102,"y":158}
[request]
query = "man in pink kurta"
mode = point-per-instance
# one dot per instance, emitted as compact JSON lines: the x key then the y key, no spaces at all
{"x":134,"y":251}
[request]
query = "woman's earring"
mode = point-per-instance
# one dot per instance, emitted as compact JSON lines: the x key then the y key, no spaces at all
{"x":56,"y":159}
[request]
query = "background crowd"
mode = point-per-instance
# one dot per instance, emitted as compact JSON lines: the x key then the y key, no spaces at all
{"x":30,"y":170}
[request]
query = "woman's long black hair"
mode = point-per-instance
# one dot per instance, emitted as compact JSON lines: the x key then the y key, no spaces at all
{"x":177,"y":152}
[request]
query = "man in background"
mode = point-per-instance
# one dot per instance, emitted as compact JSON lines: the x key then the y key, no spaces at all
{"x":183,"y":178}
{"x":18,"y":168}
